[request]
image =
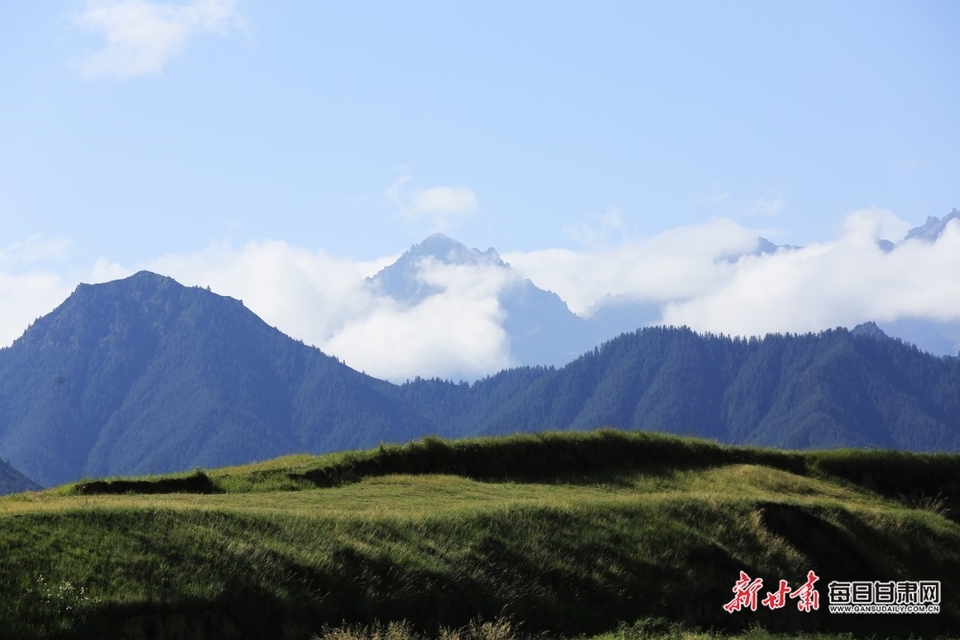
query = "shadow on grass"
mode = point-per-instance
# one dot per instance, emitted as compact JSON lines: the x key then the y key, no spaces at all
{"x":568,"y":457}
{"x":927,"y":481}
{"x":198,"y":482}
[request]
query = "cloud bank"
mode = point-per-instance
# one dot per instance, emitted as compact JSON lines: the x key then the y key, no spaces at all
{"x":675,"y":265}
{"x":455,"y":334}
{"x":838,"y":283}
{"x":142,"y":37}
{"x":326,"y":302}
{"x":709,"y":277}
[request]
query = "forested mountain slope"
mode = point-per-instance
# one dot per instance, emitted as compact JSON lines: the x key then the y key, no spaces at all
{"x":821,"y":390}
{"x":143,"y":375}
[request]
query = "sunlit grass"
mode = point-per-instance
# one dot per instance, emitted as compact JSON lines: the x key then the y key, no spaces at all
{"x":417,"y":496}
{"x":310,"y":541}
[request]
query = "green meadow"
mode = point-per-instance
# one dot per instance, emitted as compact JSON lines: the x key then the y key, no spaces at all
{"x":602,"y":534}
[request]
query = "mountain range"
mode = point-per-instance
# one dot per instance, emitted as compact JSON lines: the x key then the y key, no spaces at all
{"x":542,"y":330}
{"x":144,"y":375}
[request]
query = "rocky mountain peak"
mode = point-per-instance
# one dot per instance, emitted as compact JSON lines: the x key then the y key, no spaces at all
{"x":933,"y":227}
{"x":446,"y":250}
{"x":401,"y":281}
{"x":870,"y":330}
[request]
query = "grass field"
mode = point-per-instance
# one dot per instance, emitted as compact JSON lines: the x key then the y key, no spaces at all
{"x":607,"y":534}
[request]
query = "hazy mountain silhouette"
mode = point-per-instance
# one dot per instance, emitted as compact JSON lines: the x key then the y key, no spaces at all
{"x":12,"y":481}
{"x":144,"y":375}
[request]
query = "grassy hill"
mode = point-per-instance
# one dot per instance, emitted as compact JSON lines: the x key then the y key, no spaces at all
{"x":563,"y":534}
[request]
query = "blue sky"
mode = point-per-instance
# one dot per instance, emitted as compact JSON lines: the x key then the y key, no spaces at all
{"x":145,"y":134}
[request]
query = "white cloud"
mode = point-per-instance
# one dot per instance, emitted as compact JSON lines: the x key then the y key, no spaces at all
{"x":451,"y":336}
{"x":695,"y":275}
{"x":32,"y":282}
{"x":837,"y":283}
{"x":702,"y":276}
{"x":25,"y":297}
{"x":105,"y":270}
{"x":325,"y":302}
{"x":308,"y":295}
{"x":677,"y":264}
{"x":866,"y":226}
{"x":142,"y":37}
{"x":438,"y":206}
{"x":312,"y":296}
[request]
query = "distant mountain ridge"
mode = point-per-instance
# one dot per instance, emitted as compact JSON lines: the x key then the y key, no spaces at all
{"x":12,"y":481}
{"x":543,"y":331}
{"x":541,"y":328}
{"x":144,"y":375}
{"x":932,"y":228}
{"x":811,"y":391}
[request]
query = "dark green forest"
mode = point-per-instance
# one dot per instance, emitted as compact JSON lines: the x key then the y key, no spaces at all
{"x":144,"y":375}
{"x":824,"y":390}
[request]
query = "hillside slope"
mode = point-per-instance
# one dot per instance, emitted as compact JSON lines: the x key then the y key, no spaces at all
{"x":564,"y":533}
{"x":831,"y":389}
{"x":143,"y":375}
